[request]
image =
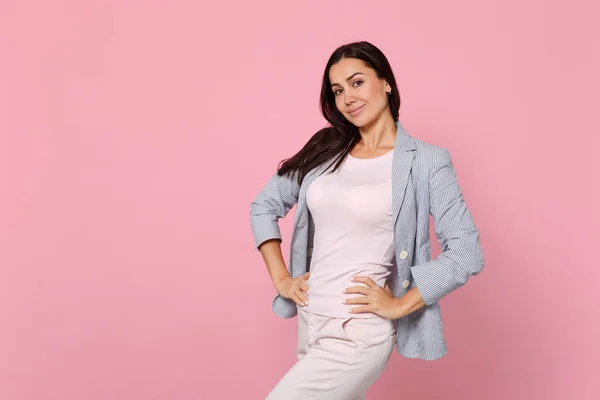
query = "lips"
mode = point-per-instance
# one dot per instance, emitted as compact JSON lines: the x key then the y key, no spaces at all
{"x":356,"y":110}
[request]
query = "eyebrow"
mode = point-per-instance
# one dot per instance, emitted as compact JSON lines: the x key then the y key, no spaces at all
{"x":348,"y":78}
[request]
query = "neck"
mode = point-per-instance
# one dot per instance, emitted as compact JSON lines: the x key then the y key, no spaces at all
{"x":379,"y":133}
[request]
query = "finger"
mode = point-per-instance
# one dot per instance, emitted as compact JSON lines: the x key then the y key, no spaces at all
{"x":306,"y":275}
{"x":361,"y":309}
{"x":301,"y":295}
{"x":303,"y":286}
{"x":358,"y":300}
{"x":297,"y":300}
{"x":358,"y":289}
{"x":367,"y":281}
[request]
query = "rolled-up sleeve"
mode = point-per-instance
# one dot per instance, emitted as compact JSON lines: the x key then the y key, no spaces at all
{"x":273,"y":202}
{"x":456,"y":232}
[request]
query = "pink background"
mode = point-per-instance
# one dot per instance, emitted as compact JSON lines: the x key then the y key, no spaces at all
{"x":134,"y":135}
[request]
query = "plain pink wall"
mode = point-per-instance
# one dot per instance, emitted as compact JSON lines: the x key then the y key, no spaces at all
{"x":134,"y":135}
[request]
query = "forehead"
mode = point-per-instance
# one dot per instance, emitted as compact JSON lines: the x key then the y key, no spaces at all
{"x":346,"y":67}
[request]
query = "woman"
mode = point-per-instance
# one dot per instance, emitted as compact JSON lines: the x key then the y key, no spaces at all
{"x":361,"y":278}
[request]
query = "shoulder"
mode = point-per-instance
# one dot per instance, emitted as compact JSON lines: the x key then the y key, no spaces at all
{"x":427,"y":149}
{"x":429,"y":156}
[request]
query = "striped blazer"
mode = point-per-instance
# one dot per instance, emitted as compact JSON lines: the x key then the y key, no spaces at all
{"x":424,"y":182}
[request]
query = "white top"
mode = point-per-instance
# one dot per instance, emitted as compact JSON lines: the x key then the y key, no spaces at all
{"x":352,"y":213}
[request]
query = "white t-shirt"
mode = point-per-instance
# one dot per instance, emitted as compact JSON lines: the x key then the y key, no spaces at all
{"x":352,"y":213}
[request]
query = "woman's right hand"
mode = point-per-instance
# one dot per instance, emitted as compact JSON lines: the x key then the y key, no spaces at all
{"x":294,"y":288}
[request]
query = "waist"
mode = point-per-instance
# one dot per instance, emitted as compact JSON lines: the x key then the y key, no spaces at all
{"x":326,"y":291}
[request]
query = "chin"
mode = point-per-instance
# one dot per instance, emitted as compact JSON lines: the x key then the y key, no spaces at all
{"x":360,"y":121}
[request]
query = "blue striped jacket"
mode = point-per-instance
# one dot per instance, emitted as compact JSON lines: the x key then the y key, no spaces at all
{"x":423,"y":182}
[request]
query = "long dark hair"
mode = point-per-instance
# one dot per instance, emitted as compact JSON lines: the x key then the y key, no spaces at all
{"x":334,"y":142}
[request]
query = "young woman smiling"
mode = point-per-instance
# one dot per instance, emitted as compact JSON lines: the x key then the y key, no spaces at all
{"x":361,"y":279}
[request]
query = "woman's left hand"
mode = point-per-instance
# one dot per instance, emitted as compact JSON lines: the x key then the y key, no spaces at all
{"x":376,"y":299}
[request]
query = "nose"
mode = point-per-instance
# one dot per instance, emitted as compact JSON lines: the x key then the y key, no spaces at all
{"x":349,"y":98}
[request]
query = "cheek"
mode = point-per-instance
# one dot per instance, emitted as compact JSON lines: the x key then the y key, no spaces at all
{"x":375,"y":96}
{"x":378,"y":101}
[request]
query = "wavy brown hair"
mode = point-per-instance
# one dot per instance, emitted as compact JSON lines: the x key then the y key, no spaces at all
{"x":334,"y":142}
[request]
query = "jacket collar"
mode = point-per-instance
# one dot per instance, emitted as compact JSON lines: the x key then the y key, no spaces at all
{"x":403,"y":140}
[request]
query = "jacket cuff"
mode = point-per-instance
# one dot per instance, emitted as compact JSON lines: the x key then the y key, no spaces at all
{"x":437,"y":278}
{"x":433,"y":281}
{"x":264,"y":227}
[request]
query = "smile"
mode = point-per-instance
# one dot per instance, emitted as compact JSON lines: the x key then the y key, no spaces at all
{"x":356,"y":111}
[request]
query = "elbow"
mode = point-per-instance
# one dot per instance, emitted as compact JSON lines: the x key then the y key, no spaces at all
{"x":473,"y":263}
{"x":469,"y":246}
{"x":480,"y":265}
{"x":480,"y":260}
{"x":254,"y":209}
{"x":476,"y":267}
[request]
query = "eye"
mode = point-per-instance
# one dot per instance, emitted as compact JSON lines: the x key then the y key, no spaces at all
{"x":335,"y":92}
{"x":356,"y":81}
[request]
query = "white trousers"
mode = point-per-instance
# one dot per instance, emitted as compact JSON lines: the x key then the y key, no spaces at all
{"x":338,"y":358}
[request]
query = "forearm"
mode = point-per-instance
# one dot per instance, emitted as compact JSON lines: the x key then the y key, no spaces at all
{"x":409,"y":302}
{"x":273,"y":258}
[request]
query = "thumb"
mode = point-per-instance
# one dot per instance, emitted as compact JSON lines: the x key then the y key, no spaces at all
{"x":306,"y":275}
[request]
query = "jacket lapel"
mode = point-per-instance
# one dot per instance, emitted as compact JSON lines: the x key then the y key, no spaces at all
{"x":402,"y":162}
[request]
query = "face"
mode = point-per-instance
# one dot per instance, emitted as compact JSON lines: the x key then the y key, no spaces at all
{"x":359,"y":94}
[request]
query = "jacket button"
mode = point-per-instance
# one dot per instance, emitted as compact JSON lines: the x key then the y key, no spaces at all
{"x":403,"y":254}
{"x":405,"y":284}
